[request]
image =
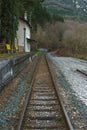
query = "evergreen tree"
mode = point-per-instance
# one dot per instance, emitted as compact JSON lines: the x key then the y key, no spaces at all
{"x":0,"y":19}
{"x":9,"y":20}
{"x":36,"y":13}
{"x":56,"y":18}
{"x":40,"y":16}
{"x":28,"y":5}
{"x":9,"y":16}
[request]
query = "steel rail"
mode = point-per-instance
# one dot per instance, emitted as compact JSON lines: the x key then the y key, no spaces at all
{"x":61,"y":102}
{"x":27,"y":98}
{"x":82,"y":72}
{"x":56,"y":90}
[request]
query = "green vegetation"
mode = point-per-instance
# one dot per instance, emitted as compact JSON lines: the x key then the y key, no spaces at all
{"x":6,"y":56}
{"x":58,"y":119}
{"x":62,"y":12}
{"x":12,"y":10}
{"x":39,"y":16}
{"x":84,"y":57}
{"x":56,"y":17}
{"x":50,"y":30}
{"x":37,"y":51}
{"x":9,"y":20}
{"x":68,"y":8}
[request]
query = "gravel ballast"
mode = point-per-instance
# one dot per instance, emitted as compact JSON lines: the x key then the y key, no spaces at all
{"x":73,"y":87}
{"x":14,"y":100}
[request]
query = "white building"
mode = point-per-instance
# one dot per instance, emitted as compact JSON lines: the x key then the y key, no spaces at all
{"x":23,"y":35}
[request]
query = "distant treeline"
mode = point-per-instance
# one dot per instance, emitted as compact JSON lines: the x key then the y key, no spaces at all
{"x":69,"y":38}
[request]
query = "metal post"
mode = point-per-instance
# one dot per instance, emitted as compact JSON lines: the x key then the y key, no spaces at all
{"x":24,"y":37}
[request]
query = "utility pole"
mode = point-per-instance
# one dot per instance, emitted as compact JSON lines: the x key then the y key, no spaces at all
{"x":24,"y":38}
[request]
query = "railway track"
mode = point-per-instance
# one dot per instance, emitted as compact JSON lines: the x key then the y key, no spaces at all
{"x":42,"y":109}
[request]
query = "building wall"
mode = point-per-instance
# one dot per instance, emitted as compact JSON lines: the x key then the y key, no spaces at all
{"x":20,"y":36}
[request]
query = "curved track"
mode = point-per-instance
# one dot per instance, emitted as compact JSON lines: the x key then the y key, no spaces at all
{"x":43,"y":109}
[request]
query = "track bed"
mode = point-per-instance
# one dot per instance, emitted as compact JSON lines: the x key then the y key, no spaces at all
{"x":43,"y":110}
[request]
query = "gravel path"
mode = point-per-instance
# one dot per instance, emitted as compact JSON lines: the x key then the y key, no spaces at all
{"x":74,"y":87}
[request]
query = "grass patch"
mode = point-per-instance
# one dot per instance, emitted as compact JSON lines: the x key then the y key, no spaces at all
{"x":79,"y":56}
{"x":6,"y":56}
{"x":67,"y":53}
{"x":37,"y":51}
{"x":59,"y":118}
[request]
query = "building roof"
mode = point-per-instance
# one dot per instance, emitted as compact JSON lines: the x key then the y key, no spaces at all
{"x":26,"y":21}
{"x":31,"y":40}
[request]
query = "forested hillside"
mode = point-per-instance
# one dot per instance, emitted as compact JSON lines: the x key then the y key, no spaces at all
{"x":71,"y":9}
